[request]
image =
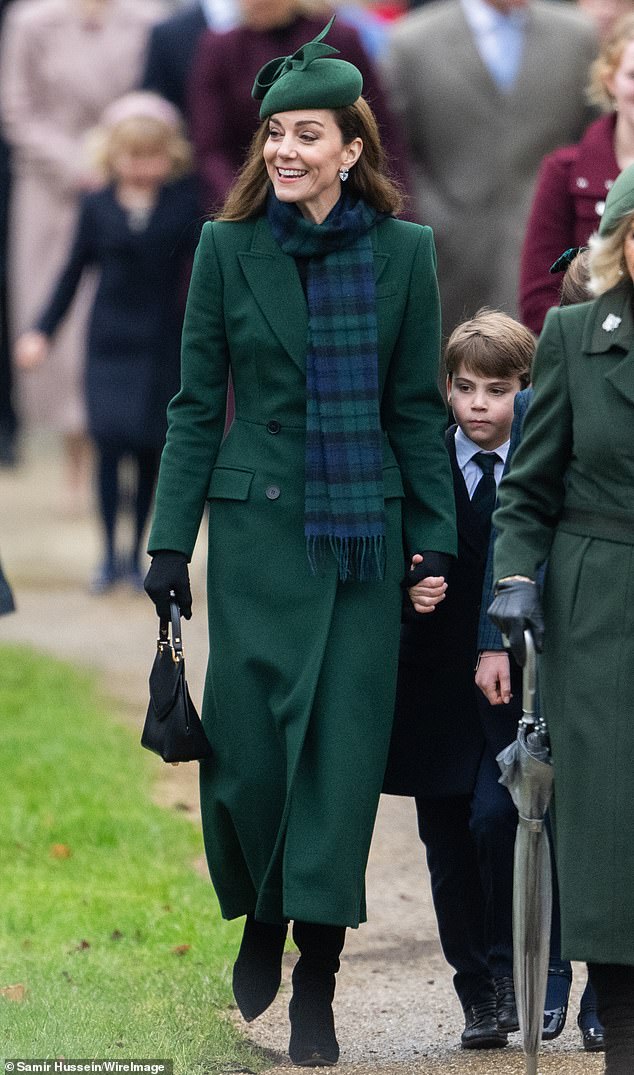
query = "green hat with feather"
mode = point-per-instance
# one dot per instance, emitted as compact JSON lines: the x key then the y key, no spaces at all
{"x":310,"y":78}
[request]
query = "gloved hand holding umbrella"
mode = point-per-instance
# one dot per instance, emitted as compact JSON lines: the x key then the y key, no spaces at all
{"x":516,"y":609}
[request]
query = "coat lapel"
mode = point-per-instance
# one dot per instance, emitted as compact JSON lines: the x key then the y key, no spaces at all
{"x":610,"y":328}
{"x":471,"y":529}
{"x":274,"y":282}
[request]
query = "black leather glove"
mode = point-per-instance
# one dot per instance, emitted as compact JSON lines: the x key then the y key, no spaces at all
{"x":168,"y":571}
{"x":434,"y":563}
{"x":517,"y":608}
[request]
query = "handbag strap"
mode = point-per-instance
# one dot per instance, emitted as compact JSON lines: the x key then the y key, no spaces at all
{"x":176,"y":644}
{"x":177,"y":641}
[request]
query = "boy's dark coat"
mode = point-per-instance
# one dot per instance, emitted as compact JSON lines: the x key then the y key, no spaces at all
{"x":438,"y":735}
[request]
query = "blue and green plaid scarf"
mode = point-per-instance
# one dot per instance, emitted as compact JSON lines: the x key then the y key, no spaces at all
{"x":344,"y":504}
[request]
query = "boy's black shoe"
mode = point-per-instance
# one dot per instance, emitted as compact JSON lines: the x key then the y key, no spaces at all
{"x":481,"y":1029}
{"x":506,"y":1006}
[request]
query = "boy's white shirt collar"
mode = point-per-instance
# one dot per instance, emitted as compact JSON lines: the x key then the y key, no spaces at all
{"x":466,"y":449}
{"x":471,"y":472}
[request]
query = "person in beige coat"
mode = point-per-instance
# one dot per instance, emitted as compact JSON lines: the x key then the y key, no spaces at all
{"x":61,"y":63}
{"x":484,"y":89}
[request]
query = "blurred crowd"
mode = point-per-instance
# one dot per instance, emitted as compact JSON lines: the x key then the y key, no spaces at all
{"x":471,"y":97}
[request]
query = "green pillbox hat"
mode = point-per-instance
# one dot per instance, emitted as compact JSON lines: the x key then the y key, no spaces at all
{"x":619,"y":202}
{"x":310,"y":78}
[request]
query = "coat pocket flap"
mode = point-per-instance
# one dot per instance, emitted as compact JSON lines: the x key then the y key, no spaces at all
{"x":392,"y":482}
{"x":230,"y":483}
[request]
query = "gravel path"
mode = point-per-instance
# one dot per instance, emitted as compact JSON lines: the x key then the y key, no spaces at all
{"x":395,"y":1007}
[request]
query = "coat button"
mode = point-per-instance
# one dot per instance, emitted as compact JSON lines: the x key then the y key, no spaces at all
{"x":272,"y":492}
{"x":273,"y":426}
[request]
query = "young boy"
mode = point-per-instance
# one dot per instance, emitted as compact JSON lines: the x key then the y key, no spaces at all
{"x":446,"y":736}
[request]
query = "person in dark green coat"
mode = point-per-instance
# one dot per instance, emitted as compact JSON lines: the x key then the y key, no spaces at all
{"x":569,"y":499}
{"x":330,"y":491}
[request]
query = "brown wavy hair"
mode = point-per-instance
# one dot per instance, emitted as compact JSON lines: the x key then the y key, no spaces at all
{"x":369,"y":178}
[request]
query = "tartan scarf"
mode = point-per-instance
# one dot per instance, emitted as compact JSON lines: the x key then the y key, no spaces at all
{"x":344,"y":505}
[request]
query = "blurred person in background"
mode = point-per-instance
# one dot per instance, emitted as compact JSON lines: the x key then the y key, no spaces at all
{"x":140,"y":232}
{"x":7,"y":603}
{"x":222,"y":112}
{"x":484,"y":88}
{"x":574,"y":181}
{"x":172,"y":46}
{"x":8,"y":420}
{"x":605,"y":14}
{"x":62,"y":62}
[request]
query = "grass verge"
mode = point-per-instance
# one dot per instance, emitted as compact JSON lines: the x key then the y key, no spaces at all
{"x":111,"y":945}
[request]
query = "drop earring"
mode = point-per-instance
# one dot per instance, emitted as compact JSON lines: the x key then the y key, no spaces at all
{"x":343,"y":174}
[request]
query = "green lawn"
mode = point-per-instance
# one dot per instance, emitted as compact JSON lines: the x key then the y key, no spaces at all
{"x":116,"y":941}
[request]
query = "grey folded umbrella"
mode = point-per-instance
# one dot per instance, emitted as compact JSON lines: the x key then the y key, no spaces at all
{"x":528,"y":774}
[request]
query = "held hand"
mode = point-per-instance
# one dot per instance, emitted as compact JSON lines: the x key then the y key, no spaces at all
{"x":517,"y":608}
{"x":493,"y":677}
{"x":429,"y":591}
{"x":31,"y":350}
{"x":168,"y":571}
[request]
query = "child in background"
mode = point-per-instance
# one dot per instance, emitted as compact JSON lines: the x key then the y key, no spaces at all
{"x":446,"y":738}
{"x":140,"y":232}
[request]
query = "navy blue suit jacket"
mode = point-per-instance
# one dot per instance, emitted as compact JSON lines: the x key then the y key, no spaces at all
{"x":437,"y":738}
{"x":170,"y":53}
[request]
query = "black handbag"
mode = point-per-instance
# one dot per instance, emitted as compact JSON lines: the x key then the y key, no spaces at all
{"x":172,"y":726}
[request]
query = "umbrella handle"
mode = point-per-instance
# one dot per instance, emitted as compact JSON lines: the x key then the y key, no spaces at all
{"x":529,"y":678}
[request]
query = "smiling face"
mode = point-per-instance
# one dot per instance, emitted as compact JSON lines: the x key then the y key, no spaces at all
{"x":483,"y":406}
{"x":621,"y":85}
{"x":303,"y":154}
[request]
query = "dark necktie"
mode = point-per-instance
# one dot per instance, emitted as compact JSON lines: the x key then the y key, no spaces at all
{"x":485,"y":492}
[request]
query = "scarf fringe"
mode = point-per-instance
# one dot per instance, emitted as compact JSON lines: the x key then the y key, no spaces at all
{"x":361,"y":559}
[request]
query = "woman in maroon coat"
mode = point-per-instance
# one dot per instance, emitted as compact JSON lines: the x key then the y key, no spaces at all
{"x":222,"y":114}
{"x":573,"y":182}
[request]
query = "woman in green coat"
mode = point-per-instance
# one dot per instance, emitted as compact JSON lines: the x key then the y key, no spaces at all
{"x":569,"y":498}
{"x":331,"y":485}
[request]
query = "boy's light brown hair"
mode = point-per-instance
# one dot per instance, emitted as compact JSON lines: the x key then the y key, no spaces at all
{"x":491,"y":344}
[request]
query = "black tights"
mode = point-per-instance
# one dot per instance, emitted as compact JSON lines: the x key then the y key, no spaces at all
{"x":145,"y":462}
{"x":614,"y":985}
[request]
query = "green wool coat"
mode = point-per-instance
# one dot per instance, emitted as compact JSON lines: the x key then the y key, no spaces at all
{"x":569,"y":497}
{"x":301,"y":676}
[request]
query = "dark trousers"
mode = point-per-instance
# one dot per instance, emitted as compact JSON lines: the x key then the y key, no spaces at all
{"x":469,"y":841}
{"x":8,"y":421}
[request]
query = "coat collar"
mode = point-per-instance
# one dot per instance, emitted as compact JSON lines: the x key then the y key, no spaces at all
{"x":594,"y":166}
{"x":274,"y":281}
{"x":603,"y":335}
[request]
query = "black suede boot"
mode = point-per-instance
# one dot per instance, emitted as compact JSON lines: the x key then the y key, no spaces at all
{"x":257,"y":972}
{"x":614,"y":986}
{"x":313,"y":1040}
